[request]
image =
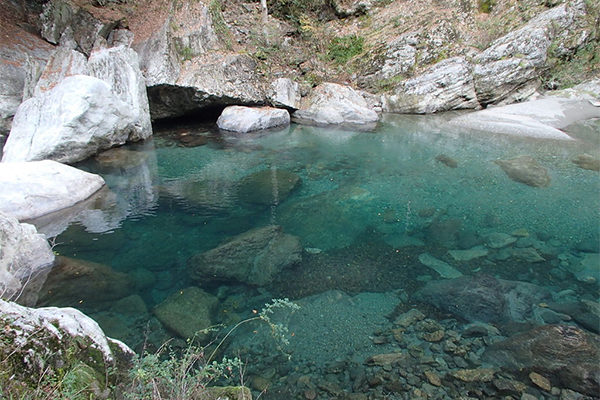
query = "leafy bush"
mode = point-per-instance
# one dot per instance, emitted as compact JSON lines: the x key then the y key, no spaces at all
{"x":342,"y":49}
{"x":293,"y":10}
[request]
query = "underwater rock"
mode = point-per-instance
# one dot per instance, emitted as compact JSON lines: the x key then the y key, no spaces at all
{"x":470,"y":254}
{"x":269,"y":186}
{"x":528,"y":254}
{"x":444,"y":232}
{"x":187,"y":312}
{"x":484,"y":298}
{"x":474,"y":375}
{"x":254,"y":257}
{"x":72,"y":281}
{"x":586,"y":161}
{"x":566,"y":355}
{"x":525,"y":169}
{"x":446,"y":160}
{"x":247,"y":119}
{"x":586,"y":313}
{"x":121,"y":158}
{"x":25,"y":259}
{"x":409,"y":318}
{"x":498,"y":240}
{"x":588,"y":270}
{"x":444,"y":269}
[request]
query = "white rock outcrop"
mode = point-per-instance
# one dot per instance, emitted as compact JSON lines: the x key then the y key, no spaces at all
{"x":33,"y":189}
{"x":77,"y":118}
{"x":334,"y":104}
{"x":247,"y":119}
{"x":285,"y":93}
{"x":24,"y":256}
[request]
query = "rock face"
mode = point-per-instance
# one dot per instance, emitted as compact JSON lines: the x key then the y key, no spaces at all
{"x":285,"y":93}
{"x":484,"y":298}
{"x":565,"y":354}
{"x":187,"y":312}
{"x":333,"y":104}
{"x":247,"y":119}
{"x":345,"y":8}
{"x":448,"y":85}
{"x":119,"y":67}
{"x":526,"y":170}
{"x":72,"y":281}
{"x":267,"y":187}
{"x":33,"y":189}
{"x":254,"y":257}
{"x":25,"y":257}
{"x":514,"y":60}
{"x":74,"y":120}
{"x":62,"y":63}
{"x":60,"y":339}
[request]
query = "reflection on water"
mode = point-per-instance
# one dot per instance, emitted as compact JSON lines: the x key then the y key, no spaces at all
{"x":424,"y":267}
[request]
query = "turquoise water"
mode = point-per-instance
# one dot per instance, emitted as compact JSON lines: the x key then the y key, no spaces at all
{"x":367,"y":212}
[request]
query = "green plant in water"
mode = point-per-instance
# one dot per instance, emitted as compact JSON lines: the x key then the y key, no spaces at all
{"x":342,"y":49}
{"x":191,"y":374}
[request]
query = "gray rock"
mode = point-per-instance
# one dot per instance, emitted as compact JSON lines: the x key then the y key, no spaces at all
{"x":543,"y":118}
{"x":119,"y":67}
{"x":400,"y":56}
{"x":188,"y":312}
{"x":498,"y":240}
{"x":525,"y":169}
{"x":444,"y":269}
{"x":346,"y":8}
{"x":62,"y":63}
{"x":33,"y":189}
{"x":516,"y":58}
{"x":247,"y":119}
{"x":254,"y":257}
{"x":285,"y":93}
{"x":158,"y":57}
{"x":483,"y":298}
{"x":448,"y":85}
{"x":565,"y":354}
{"x":333,"y":104}
{"x":25,"y":257}
{"x":469,"y":254}
{"x":74,"y":120}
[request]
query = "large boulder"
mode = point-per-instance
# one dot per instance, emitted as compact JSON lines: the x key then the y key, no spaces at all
{"x":33,"y":189}
{"x":334,"y":104}
{"x":525,"y":169}
{"x":565,"y":354}
{"x":77,"y":118}
{"x":25,"y":257}
{"x":62,"y":63}
{"x":40,"y":344}
{"x":516,"y":59}
{"x":188,"y":313}
{"x":448,"y":85}
{"x":543,"y":118}
{"x":247,"y":119}
{"x":254,"y":257}
{"x":72,"y":281}
{"x":267,"y":187}
{"x":484,"y":298}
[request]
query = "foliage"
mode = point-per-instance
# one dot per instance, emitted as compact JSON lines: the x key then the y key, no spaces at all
{"x":565,"y":72}
{"x":294,"y":10}
{"x":215,"y":9}
{"x":342,"y":49}
{"x":485,"y":6}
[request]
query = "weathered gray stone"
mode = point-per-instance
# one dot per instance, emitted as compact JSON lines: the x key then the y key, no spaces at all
{"x":33,"y":189}
{"x":254,"y":257}
{"x":333,"y":104}
{"x":63,"y":62}
{"x":346,"y":8}
{"x":469,"y":254}
{"x":72,"y":121}
{"x":25,"y":257}
{"x":525,"y":169}
{"x":448,"y":85}
{"x":285,"y":93}
{"x":444,"y":269}
{"x":188,"y":312}
{"x":247,"y":119}
{"x":119,"y":67}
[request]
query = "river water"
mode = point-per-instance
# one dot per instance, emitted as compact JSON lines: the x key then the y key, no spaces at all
{"x":409,"y":241}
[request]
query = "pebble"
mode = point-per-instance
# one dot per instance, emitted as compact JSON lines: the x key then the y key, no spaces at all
{"x":435,"y":336}
{"x":474,"y":375}
{"x":433,"y":378}
{"x":540,"y":381}
{"x":385,"y":359}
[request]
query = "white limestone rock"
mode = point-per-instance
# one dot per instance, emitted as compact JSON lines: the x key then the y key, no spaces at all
{"x":33,"y":189}
{"x":334,"y":104}
{"x":76,"y":119}
{"x":247,"y":119}
{"x":285,"y":93}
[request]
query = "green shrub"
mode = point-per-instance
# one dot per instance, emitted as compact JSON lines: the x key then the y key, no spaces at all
{"x":342,"y":49}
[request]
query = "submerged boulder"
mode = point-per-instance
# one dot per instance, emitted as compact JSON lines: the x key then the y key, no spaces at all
{"x":483,"y":298}
{"x":448,"y":85}
{"x":72,"y":121}
{"x":525,"y":169}
{"x":247,"y":119}
{"x":254,"y":257}
{"x":334,"y":104}
{"x":269,"y":186}
{"x":25,"y":258}
{"x":188,"y":312}
{"x":33,"y":189}
{"x":565,"y":354}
